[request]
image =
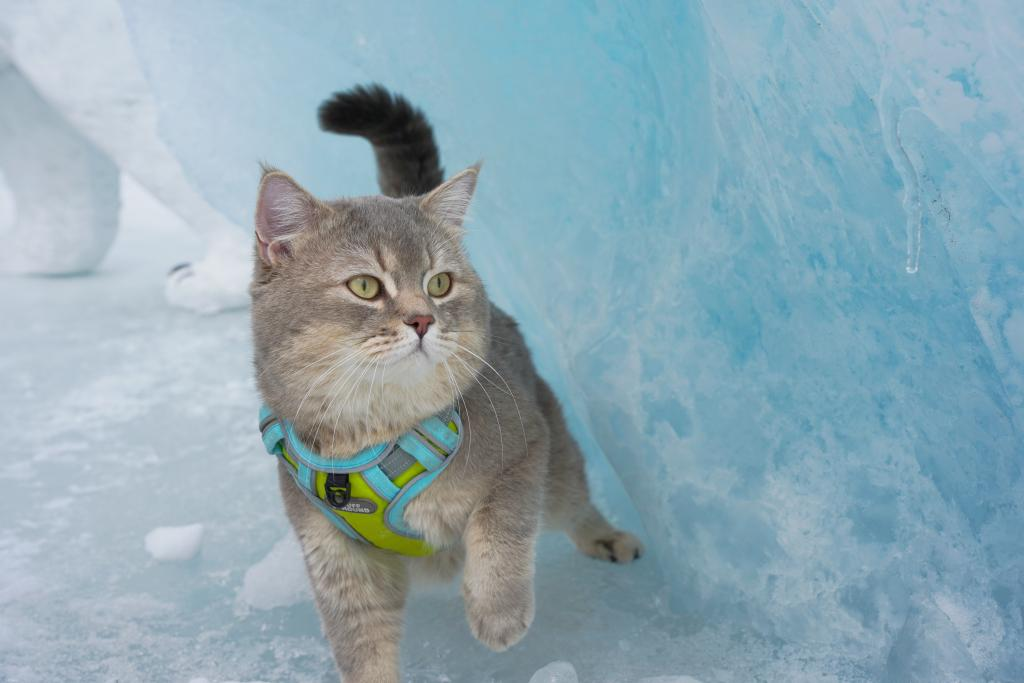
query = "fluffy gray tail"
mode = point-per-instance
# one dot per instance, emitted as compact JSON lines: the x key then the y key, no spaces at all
{"x":408,"y":162}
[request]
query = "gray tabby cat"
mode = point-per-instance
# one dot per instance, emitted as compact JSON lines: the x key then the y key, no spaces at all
{"x":367,"y":319}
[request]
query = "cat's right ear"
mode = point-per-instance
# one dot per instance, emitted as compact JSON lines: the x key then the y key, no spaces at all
{"x":283,"y":210}
{"x":449,"y":201}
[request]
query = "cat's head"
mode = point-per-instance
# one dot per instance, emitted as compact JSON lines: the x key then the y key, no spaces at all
{"x":367,"y":315}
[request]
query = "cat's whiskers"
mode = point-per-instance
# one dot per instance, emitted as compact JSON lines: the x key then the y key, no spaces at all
{"x":331,"y":368}
{"x":330,"y":394}
{"x":465,"y":408}
{"x":497,"y":419}
{"x":307,"y":365}
{"x":382,"y":372}
{"x":373,"y":382}
{"x":387,"y":349}
{"x":372,"y":357}
{"x":348,"y":394}
{"x":491,"y":336}
{"x":344,"y":380}
{"x":453,"y":351}
{"x":510,"y":393}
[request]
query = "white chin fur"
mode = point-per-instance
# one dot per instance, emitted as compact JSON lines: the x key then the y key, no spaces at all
{"x":413,"y":368}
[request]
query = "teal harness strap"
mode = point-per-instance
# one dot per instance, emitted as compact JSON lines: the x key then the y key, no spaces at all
{"x":365,"y":496}
{"x":380,"y":482}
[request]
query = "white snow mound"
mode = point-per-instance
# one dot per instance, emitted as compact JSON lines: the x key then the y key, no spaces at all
{"x":174,"y":543}
{"x":279,"y":579}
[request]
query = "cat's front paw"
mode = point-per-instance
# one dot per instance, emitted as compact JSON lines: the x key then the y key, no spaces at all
{"x":499,"y":619}
{"x":614,"y":546}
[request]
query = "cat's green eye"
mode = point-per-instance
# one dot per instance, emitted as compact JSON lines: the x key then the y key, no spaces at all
{"x":364,"y":286}
{"x":439,"y":284}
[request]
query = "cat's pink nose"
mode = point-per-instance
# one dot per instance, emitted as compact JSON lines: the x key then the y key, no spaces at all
{"x":420,"y":323}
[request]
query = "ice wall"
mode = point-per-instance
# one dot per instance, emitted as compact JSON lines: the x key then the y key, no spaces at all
{"x":771,"y":255}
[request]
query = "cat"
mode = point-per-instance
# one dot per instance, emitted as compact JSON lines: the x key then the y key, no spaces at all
{"x":350,"y":370}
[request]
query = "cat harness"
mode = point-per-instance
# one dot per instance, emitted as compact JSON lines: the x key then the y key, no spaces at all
{"x":365,"y":496}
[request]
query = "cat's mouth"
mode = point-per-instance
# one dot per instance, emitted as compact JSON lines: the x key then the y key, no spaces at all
{"x":411,"y":366}
{"x":418,"y":351}
{"x":413,"y":357}
{"x":421,"y":351}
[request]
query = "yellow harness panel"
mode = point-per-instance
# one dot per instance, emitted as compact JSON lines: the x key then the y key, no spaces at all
{"x":365,"y":496}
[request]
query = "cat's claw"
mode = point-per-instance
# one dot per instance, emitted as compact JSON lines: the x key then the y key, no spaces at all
{"x":620,"y":547}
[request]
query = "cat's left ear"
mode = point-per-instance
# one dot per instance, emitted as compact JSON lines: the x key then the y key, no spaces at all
{"x":283,"y":211}
{"x":449,"y":201}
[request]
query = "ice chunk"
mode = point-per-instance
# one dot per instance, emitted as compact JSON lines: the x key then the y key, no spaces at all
{"x":279,"y":579}
{"x":670,"y":679}
{"x":174,"y":543}
{"x":555,"y":672}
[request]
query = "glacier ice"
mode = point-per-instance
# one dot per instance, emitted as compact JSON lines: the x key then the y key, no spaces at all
{"x":770,"y":255}
{"x":928,"y":649}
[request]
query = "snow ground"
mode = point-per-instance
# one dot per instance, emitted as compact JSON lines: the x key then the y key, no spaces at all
{"x":125,"y":415}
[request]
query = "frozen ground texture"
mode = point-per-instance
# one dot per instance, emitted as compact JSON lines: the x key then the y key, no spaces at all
{"x":770,"y":254}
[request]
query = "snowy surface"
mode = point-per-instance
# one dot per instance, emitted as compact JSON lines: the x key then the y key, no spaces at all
{"x":174,"y":543}
{"x":770,"y":254}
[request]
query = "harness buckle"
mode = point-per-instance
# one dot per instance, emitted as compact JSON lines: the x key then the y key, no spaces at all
{"x":337,"y":490}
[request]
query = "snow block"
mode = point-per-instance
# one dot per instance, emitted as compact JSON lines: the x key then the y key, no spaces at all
{"x":61,"y":211}
{"x":174,"y":543}
{"x":105,"y":99}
